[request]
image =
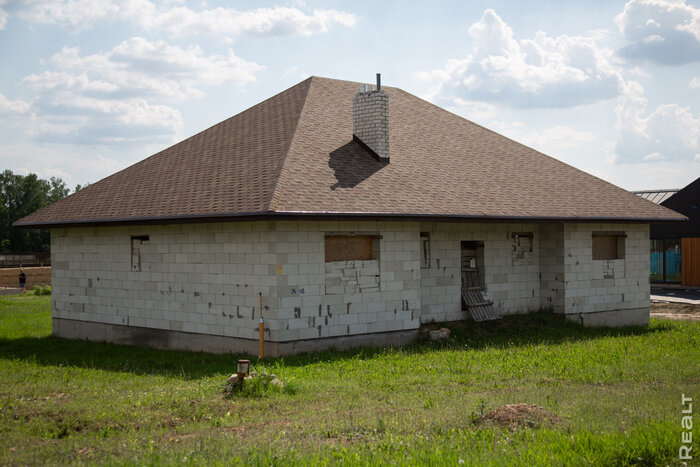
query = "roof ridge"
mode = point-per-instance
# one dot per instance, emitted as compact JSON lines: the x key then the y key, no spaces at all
{"x":275,"y":196}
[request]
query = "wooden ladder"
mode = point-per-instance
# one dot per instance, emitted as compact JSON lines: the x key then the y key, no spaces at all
{"x":474,"y":295}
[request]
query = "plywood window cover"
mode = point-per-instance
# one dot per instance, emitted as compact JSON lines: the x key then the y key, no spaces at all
{"x":606,"y":245}
{"x":350,"y":246}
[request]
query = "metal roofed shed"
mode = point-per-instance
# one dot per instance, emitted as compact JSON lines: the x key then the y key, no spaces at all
{"x":657,"y":196}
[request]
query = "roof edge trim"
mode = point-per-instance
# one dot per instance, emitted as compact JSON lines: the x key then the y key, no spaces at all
{"x":312,"y":215}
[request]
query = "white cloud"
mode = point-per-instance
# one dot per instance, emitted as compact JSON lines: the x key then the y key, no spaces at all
{"x":558,"y":140}
{"x":277,"y":21}
{"x":3,"y":15}
{"x":662,"y":31}
{"x":654,"y":156}
{"x":115,"y":96}
{"x":83,"y":14}
{"x":72,"y":163}
{"x":137,"y":67}
{"x":12,"y":107}
{"x":695,"y":83}
{"x":120,"y":96}
{"x":77,"y":15}
{"x":476,"y":110}
{"x":653,"y":38}
{"x":69,"y":118}
{"x":650,"y":175}
{"x":541,"y":72}
{"x":670,"y":132}
{"x":637,"y":71}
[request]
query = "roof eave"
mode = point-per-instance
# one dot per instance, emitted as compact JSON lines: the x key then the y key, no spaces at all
{"x":331,"y":215}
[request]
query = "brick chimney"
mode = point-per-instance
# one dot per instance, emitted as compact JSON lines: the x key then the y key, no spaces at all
{"x":370,"y":120}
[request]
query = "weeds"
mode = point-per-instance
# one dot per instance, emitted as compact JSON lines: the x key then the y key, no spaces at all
{"x":258,"y":385}
{"x":41,"y":290}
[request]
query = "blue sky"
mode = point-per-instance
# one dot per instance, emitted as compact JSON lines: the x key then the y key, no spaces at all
{"x":90,"y":87}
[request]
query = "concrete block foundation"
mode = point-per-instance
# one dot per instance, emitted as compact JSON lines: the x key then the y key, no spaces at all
{"x":612,"y":318}
{"x":177,"y":340}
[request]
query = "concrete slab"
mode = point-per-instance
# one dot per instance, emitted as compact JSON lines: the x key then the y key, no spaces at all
{"x":689,"y":295}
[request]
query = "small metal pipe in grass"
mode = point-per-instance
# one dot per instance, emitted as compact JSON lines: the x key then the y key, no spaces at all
{"x":261,"y":350}
{"x":243,"y":370}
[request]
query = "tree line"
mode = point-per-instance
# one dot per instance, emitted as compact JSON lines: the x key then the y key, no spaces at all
{"x":21,"y":196}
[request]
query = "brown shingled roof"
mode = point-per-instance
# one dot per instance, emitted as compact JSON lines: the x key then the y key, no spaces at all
{"x":293,"y":154}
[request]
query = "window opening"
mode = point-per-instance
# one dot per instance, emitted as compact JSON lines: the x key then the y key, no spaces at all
{"x":424,"y":250}
{"x":136,"y":242}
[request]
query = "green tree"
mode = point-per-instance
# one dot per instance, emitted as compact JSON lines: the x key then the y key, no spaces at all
{"x":79,"y":187}
{"x":21,"y":195}
{"x":57,"y":190}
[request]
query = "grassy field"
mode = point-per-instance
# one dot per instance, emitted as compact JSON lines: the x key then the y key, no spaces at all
{"x":608,"y":397}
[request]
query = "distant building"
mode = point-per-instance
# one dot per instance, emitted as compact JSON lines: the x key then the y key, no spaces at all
{"x":675,"y":248}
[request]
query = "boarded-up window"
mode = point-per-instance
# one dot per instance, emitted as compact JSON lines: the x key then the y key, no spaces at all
{"x":136,"y":243}
{"x":608,"y":245}
{"x":349,"y":247}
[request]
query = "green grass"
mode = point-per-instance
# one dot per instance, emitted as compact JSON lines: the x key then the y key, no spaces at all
{"x":616,"y":394}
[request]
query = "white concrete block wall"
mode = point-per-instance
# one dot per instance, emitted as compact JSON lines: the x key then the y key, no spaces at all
{"x":201,"y":278}
{"x":312,"y":304}
{"x":205,"y":278}
{"x":551,"y":244}
{"x":606,"y":285}
{"x":512,"y":284}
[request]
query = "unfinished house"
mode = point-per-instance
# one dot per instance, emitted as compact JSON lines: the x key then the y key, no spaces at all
{"x":355,"y":213}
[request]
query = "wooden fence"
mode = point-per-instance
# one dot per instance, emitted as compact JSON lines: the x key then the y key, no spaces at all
{"x":690,"y":261}
{"x":10,"y":260}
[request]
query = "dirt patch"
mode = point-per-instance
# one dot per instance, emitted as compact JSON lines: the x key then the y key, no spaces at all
{"x":521,"y":415}
{"x":675,"y":311}
{"x":35,"y":276}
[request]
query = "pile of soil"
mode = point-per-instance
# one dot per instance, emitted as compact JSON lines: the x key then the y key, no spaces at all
{"x":521,"y":415}
{"x":672,"y":310}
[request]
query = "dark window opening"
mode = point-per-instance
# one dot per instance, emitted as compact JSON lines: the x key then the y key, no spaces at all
{"x":522,"y":241}
{"x":472,"y":268}
{"x":424,"y":250}
{"x":136,"y":242}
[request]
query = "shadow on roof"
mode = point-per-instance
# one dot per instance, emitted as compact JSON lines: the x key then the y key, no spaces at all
{"x":352,"y":164}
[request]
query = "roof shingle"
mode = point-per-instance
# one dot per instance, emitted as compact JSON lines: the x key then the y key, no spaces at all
{"x":294,"y":154}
